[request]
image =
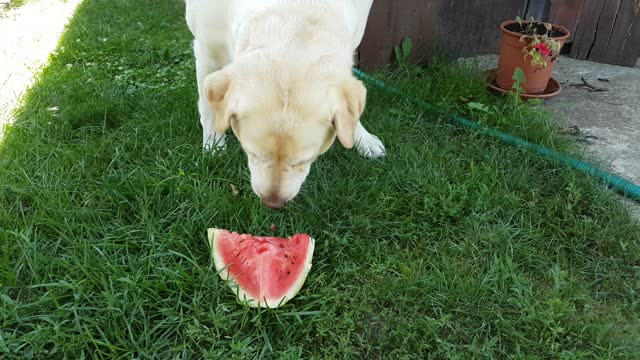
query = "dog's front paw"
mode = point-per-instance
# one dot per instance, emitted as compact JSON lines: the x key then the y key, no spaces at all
{"x":214,"y":144}
{"x":370,"y":147}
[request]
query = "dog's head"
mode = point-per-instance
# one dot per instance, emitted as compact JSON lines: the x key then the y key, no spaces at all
{"x":284,"y":121}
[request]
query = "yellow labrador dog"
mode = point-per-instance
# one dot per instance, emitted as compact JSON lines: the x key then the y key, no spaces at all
{"x":278,"y":73}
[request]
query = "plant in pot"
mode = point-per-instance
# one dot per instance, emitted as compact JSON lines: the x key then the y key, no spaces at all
{"x":533,"y":47}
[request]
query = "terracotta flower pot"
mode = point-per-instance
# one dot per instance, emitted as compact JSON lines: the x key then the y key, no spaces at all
{"x":511,"y":57}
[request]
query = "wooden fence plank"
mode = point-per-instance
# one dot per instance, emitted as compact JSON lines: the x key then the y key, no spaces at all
{"x":623,"y":46}
{"x":436,"y":27}
{"x":586,"y":28}
{"x":565,"y":13}
{"x":608,"y":31}
{"x":604,"y":30}
{"x":539,"y":9}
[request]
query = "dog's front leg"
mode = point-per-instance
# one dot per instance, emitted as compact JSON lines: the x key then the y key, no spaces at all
{"x":367,"y":144}
{"x":205,"y":65}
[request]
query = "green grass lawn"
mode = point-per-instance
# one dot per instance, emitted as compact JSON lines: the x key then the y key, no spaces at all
{"x":455,"y":246}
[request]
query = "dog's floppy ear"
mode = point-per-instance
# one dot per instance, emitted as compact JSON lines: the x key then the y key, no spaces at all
{"x":216,"y":86}
{"x":351,"y":101}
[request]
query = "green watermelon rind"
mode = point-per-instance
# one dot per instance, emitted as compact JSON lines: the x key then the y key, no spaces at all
{"x":241,"y":295}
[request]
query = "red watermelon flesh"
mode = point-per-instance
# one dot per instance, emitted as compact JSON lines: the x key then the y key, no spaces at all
{"x":264,"y":271}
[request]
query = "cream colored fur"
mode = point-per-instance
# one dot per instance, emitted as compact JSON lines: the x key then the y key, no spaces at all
{"x":278,"y":73}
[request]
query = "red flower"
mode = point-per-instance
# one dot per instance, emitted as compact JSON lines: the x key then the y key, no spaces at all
{"x":543,"y":49}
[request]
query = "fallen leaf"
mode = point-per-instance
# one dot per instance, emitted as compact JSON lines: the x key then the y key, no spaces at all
{"x":234,"y":190}
{"x":572,"y":130}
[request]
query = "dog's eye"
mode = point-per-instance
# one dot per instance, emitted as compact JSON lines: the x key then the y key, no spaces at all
{"x":301,"y":163}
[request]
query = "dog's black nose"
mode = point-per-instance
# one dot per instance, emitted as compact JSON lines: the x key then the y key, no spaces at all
{"x":273,"y":202}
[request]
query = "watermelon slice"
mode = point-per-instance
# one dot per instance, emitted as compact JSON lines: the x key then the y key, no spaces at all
{"x":263,"y":271}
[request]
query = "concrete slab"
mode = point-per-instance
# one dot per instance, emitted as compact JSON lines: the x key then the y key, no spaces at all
{"x":608,"y":121}
{"x":28,"y":35}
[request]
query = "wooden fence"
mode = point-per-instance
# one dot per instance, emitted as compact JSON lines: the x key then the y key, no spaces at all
{"x":602,"y":30}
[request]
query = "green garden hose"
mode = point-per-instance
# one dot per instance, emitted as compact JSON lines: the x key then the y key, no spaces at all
{"x":622,"y":186}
